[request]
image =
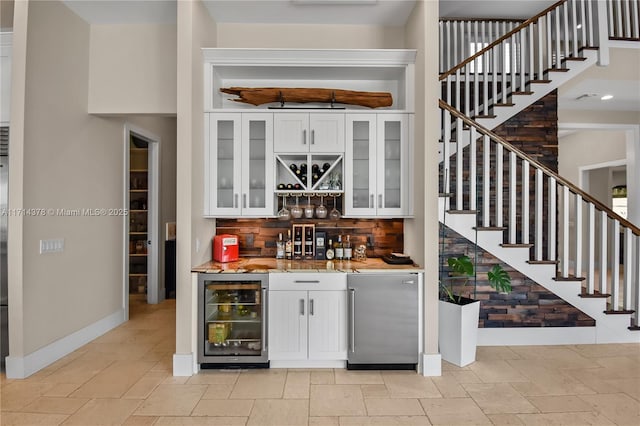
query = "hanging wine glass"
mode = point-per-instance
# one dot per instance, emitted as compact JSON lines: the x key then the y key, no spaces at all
{"x":321,"y":210}
{"x":283,"y":213}
{"x":335,"y":213}
{"x":296,"y":211}
{"x":308,"y":209}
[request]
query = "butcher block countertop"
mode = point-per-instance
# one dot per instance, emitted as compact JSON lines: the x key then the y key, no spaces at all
{"x":266,"y":265}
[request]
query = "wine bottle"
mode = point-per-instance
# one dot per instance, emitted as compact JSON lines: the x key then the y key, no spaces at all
{"x":280,"y":249}
{"x":288,"y":246}
{"x":297,"y":243}
{"x":347,"y":250}
{"x":338,"y":248}
{"x":330,"y":253}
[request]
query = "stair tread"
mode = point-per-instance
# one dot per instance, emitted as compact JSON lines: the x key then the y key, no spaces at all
{"x":483,"y":116}
{"x":540,"y":81}
{"x":543,"y":262}
{"x":462,"y":211}
{"x":575,"y":58}
{"x":589,"y":48}
{"x":595,"y":295}
{"x":634,"y":328}
{"x":620,"y":312}
{"x":557,"y":70}
{"x":522,"y":93}
{"x":504,"y":105}
{"x":569,"y":278}
{"x":507,"y":245}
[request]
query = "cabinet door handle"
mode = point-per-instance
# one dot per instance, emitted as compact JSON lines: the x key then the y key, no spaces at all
{"x":304,"y":137}
{"x":311,"y":307}
{"x":379,"y":201}
{"x":235,"y":201}
{"x":313,"y":137}
{"x":353,"y":319}
{"x":301,"y":306}
{"x":244,"y":201}
{"x":307,"y":281}
{"x":371,"y":202}
{"x":264,"y":319}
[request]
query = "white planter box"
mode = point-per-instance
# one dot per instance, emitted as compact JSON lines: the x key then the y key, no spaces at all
{"x":458,"y":332}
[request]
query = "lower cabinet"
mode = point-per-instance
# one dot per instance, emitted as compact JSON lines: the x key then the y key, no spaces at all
{"x":307,"y":320}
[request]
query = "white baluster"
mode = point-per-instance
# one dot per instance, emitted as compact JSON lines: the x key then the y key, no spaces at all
{"x":549,"y":41}
{"x":484,"y":60}
{"x":540,"y":28}
{"x":591,"y":249}
{"x":449,"y":49}
{"x":503,"y":69}
{"x":583,"y":22}
{"x":499,"y":186}
{"x":615,"y":267}
{"x":610,"y":14}
{"x":459,"y":166}
{"x":525,"y":202}
{"x":627,"y":19}
{"x":523,"y":58}
{"x":604,"y":224}
{"x":531,"y":68}
{"x":579,"y":231}
{"x":476,"y":70}
{"x":590,"y":18}
{"x":512,"y":59}
{"x":552,"y":219}
{"x":565,"y":232}
{"x":619,"y":27}
{"x":446,"y":162}
{"x":456,"y":103}
{"x":628,"y":269}
{"x":467,"y":87}
{"x":513,"y":186}
{"x":539,"y":218}
{"x":441,"y":46}
{"x":455,"y":44}
{"x":556,"y":18}
{"x":486,"y":182}
{"x":565,"y":32}
{"x":635,"y":17}
{"x":574,"y":28}
{"x":472,"y":170}
{"x":495,"y":52}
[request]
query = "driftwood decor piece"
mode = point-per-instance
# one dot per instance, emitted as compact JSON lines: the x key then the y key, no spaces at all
{"x":264,"y":95}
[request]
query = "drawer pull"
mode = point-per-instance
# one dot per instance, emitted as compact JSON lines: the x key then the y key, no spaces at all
{"x":307,"y":281}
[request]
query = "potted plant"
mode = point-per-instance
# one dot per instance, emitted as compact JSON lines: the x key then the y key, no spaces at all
{"x":458,"y":315}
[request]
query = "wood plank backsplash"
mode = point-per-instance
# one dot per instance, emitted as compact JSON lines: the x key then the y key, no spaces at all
{"x":258,"y":236}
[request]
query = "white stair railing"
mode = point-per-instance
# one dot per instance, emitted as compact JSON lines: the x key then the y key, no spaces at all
{"x":568,"y":239}
{"x":624,"y":16}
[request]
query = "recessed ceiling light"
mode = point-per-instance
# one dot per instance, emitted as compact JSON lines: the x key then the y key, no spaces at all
{"x":606,"y":97}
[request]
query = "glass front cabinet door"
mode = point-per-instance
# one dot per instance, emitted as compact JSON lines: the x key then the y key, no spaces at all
{"x":238,"y":164}
{"x":377,"y":182}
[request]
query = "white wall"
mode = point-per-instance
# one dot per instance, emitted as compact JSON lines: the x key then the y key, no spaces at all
{"x":132,"y":69}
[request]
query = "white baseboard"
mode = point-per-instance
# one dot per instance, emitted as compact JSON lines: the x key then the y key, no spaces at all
{"x":21,"y":367}
{"x":536,"y":336}
{"x":183,"y":365}
{"x":431,"y":365}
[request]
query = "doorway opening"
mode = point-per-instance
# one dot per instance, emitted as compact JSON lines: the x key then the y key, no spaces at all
{"x":141,"y":282}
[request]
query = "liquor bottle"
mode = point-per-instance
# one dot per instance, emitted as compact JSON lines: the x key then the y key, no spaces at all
{"x":308,"y":242}
{"x":288,"y":246}
{"x":338,"y":248}
{"x":297,"y":243}
{"x":347,"y":251}
{"x":280,"y":247}
{"x":330,"y":253}
{"x":293,"y":167}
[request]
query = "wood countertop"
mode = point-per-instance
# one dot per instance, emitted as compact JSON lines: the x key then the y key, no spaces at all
{"x":266,"y":265}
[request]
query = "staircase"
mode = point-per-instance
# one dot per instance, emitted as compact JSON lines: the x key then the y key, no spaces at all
{"x":510,"y":205}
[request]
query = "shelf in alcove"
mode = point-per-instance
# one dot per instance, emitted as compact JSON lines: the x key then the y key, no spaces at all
{"x":137,"y":233}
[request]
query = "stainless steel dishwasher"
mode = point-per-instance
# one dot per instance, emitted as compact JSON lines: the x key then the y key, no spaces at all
{"x":383,"y":321}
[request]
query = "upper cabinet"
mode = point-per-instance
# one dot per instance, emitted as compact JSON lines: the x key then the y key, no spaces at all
{"x":239,"y":165}
{"x":378,"y":171}
{"x":308,"y":132}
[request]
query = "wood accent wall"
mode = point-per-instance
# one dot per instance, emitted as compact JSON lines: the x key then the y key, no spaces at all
{"x":258,"y":236}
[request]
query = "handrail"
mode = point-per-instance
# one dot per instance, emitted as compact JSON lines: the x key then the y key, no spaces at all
{"x":482,"y":19}
{"x":501,"y":39}
{"x":585,"y":196}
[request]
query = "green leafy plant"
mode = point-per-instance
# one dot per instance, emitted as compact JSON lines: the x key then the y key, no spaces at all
{"x":462,"y":268}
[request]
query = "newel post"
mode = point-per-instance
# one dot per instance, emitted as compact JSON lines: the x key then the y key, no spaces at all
{"x":603,"y":33}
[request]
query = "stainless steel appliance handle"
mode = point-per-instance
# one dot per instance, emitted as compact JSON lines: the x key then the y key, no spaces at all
{"x":408,"y":282}
{"x":353,"y":319}
{"x":244,"y":201}
{"x":301,"y":306}
{"x":304,"y":137}
{"x":313,"y":137}
{"x":264,"y":319}
{"x":371,"y":202}
{"x":307,"y":281}
{"x":311,"y":307}
{"x":235,"y":201}
{"x":380,"y":201}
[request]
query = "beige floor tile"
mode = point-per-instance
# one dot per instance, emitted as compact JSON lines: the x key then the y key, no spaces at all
{"x":603,"y":351}
{"x":385,"y":421}
{"x":347,"y":377}
{"x":495,"y":398}
{"x":497,"y":371}
{"x":223,"y":407}
{"x":297,"y":385}
{"x":113,"y":381}
{"x":103,"y":412}
{"x":489,"y":353}
{"x":201,"y":421}
{"x":410,"y":386}
{"x":55,"y":405}
{"x":279,"y":412}
{"x":62,"y":390}
{"x":208,"y":377}
{"x":393,"y":407}
{"x":175,"y":380}
{"x":324,"y":421}
{"x":140,"y":421}
{"x":79,"y":371}
{"x":630,"y":386}
{"x":218,"y":392}
{"x":463,"y":376}
{"x":449,"y":387}
{"x":260,"y":384}
{"x":20,"y":393}
{"x":595,"y":378}
{"x":454,"y":411}
{"x":506,"y":419}
{"x":559,"y":404}
{"x":375,"y":391}
{"x":547,"y":381}
{"x":618,"y":407}
{"x":565,"y":419}
{"x":323,"y":377}
{"x":31,"y":419}
{"x":171,"y":400}
{"x":336,"y":400}
{"x":143,"y":387}
{"x":625,"y":367}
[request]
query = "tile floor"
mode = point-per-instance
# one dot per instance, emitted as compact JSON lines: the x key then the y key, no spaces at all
{"x":124,"y":377}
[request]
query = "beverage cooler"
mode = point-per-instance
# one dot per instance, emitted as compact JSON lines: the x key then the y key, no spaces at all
{"x":232,"y":320}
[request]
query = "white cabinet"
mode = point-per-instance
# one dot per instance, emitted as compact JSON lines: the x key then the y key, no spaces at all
{"x":309,"y":132}
{"x":307,"y":320}
{"x":378,"y":170}
{"x":239,"y":164}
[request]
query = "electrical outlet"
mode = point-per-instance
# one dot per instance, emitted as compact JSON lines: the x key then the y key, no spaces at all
{"x":197,"y":245}
{"x":52,"y":245}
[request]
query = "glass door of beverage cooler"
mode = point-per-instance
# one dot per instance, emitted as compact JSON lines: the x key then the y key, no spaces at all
{"x":232,"y":319}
